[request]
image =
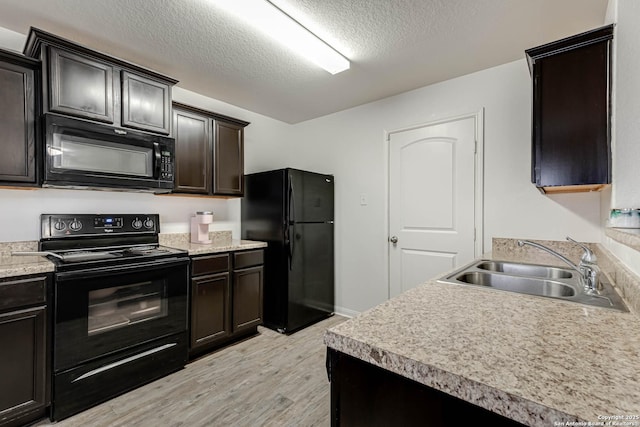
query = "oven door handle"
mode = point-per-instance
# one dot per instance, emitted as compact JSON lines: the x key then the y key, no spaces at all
{"x":125,"y":361}
{"x":101,"y":271}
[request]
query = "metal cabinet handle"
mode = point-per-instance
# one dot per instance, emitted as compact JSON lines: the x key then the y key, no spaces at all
{"x":393,"y":239}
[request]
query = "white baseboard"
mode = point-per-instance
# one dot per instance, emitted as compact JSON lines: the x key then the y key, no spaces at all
{"x":345,"y":312}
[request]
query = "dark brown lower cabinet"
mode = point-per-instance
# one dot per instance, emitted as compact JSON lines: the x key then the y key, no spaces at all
{"x":210,"y":309}
{"x":23,"y":358}
{"x":226,"y":298}
{"x":366,"y":395}
{"x":247,"y":298}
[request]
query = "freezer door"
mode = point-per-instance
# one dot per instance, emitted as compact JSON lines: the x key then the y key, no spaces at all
{"x":264,"y":205}
{"x":310,"y":196}
{"x":311,"y":278}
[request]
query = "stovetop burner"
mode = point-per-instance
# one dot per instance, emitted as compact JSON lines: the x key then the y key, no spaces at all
{"x":79,"y":241}
{"x":104,"y":254}
{"x":146,"y":250}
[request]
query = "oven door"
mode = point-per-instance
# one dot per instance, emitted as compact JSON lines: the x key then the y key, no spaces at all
{"x":103,"y":311}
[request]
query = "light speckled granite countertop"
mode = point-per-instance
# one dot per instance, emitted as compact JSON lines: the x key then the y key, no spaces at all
{"x":13,"y":266}
{"x":532,"y":359}
{"x":221,"y":241}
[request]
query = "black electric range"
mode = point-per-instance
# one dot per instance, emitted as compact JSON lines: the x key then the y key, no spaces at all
{"x":120,"y":306}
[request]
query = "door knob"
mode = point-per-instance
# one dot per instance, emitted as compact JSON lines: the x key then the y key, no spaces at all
{"x":393,"y":239}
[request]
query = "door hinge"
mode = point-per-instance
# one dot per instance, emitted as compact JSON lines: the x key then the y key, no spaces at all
{"x":475,"y":146}
{"x":474,"y":234}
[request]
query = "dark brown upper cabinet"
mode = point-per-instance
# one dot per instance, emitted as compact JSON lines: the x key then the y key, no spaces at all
{"x":228,"y":158}
{"x":80,"y":86}
{"x":571,"y":129}
{"x":193,"y":151}
{"x":209,"y":152}
{"x":19,"y":131}
{"x":82,"y":82}
{"x":146,"y":103}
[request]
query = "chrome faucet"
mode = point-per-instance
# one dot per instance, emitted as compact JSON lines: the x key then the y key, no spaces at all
{"x":589,"y":271}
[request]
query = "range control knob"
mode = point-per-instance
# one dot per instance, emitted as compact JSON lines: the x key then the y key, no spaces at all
{"x":59,"y":225}
{"x":148,"y":223}
{"x":75,"y":225}
{"x":137,"y":224}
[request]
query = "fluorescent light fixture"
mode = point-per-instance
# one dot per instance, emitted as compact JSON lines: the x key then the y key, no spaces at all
{"x":275,"y":23}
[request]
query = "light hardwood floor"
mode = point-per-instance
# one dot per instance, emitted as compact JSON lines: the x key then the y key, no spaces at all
{"x":268,"y":380}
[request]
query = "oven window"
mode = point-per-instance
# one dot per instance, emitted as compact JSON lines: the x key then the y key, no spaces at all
{"x":121,"y":306}
{"x":79,"y":153}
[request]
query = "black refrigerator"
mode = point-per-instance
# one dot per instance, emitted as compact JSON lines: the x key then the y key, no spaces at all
{"x":292,"y":210}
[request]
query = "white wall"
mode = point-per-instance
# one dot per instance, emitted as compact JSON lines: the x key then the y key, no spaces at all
{"x":626,"y":179}
{"x":20,"y":209}
{"x":625,"y":191}
{"x":351,"y":146}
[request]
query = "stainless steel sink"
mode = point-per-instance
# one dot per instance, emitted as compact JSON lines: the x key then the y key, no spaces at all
{"x":534,"y":279}
{"x":543,"y":271}
{"x":523,"y":285}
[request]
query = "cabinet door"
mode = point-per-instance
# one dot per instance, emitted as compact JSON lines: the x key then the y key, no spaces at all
{"x":228,"y":159}
{"x":571,"y":125}
{"x":247,"y":298}
{"x":146,"y":103}
{"x":193,"y":152}
{"x":209,"y":309}
{"x":571,"y":117}
{"x":22,"y":363}
{"x":80,"y":86}
{"x":17,"y":121}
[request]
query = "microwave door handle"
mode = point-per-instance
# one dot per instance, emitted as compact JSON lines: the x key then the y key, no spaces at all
{"x":156,"y":160}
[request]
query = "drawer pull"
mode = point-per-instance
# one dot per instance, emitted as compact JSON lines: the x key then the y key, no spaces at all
{"x":124,"y":361}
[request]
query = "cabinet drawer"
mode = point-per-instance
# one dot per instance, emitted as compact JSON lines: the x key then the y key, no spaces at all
{"x":248,"y":259}
{"x":210,"y":264}
{"x":21,"y":292}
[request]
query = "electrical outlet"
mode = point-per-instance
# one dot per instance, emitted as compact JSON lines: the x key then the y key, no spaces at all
{"x":364,"y":201}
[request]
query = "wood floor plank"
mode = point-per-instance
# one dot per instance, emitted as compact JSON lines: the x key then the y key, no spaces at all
{"x":268,"y":380}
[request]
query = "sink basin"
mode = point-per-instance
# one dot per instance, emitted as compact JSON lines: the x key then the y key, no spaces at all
{"x":534,"y":279}
{"x":524,"y":285}
{"x":526,"y":269}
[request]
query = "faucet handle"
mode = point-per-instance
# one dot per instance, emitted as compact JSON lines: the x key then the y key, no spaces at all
{"x":588,"y":255}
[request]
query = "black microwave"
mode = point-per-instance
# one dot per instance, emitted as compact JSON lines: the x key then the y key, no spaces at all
{"x":88,"y":155}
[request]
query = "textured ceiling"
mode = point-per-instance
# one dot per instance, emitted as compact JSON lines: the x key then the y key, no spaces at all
{"x":394,"y":45}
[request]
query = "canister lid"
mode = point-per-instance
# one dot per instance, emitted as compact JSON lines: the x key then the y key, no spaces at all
{"x":204,"y":213}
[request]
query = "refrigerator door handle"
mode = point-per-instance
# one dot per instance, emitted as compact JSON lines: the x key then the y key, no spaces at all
{"x":291,"y":235}
{"x":287,"y":242}
{"x":292,"y":203}
{"x":292,"y":245}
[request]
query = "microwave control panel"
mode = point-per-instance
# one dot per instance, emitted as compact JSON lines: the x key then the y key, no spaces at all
{"x":166,"y":166}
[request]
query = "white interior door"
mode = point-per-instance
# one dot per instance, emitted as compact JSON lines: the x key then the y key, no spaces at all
{"x":432,"y":207}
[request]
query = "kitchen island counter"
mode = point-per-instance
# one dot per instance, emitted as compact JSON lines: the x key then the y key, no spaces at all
{"x":531,"y":359}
